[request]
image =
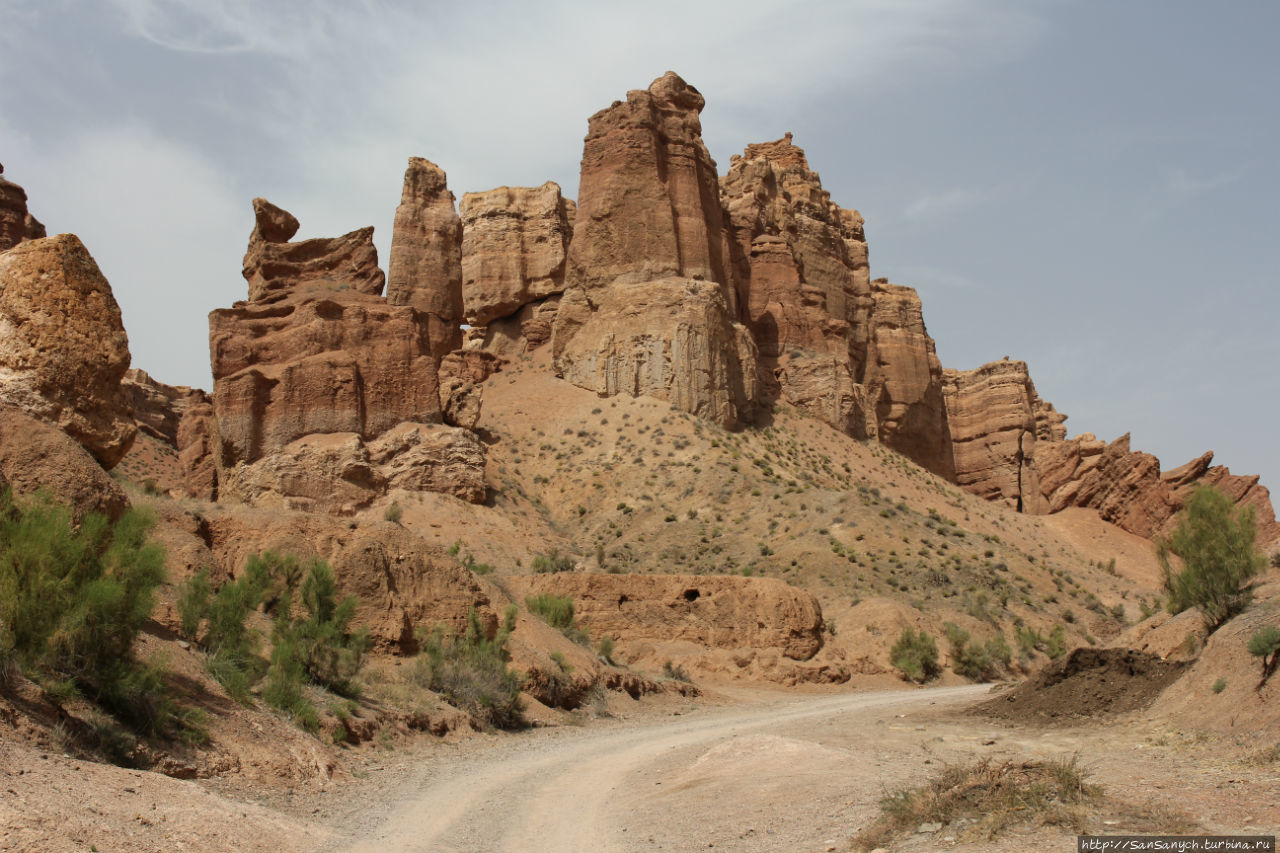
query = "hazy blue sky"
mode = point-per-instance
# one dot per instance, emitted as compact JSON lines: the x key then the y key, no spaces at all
{"x":1090,"y":186}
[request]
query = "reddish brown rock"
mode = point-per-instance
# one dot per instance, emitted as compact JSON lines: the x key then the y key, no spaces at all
{"x":525,"y":330}
{"x":461,"y":374}
{"x":401,"y":582}
{"x":197,"y":448}
{"x":17,"y":225}
{"x":718,"y":612}
{"x":648,"y":309}
{"x":800,"y":264}
{"x":904,"y":380}
{"x":158,"y":408}
{"x":514,"y":244}
{"x":35,"y":455}
{"x":63,"y":349}
{"x":671,"y":339}
{"x":348,"y":363}
{"x":995,"y":416}
{"x":648,"y":200}
{"x":425,"y":267}
{"x":276,"y":269}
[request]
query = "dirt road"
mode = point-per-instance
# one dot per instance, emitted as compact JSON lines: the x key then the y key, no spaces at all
{"x":771,"y":777}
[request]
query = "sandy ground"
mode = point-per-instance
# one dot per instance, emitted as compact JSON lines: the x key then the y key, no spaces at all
{"x":774,"y":772}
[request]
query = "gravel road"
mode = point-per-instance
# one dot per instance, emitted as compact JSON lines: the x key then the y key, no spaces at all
{"x":784,"y":775}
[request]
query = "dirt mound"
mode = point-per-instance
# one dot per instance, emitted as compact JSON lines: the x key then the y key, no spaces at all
{"x":1086,"y":684}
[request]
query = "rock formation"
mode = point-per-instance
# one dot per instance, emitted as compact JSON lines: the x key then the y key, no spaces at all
{"x":712,"y":611}
{"x":16,"y":223}
{"x":904,"y":380}
{"x":311,"y":375}
{"x":158,"y":408}
{"x":992,"y":414}
{"x":425,"y":268}
{"x":514,"y":244}
{"x":800,"y":268}
{"x":36,"y":455}
{"x":63,"y":349}
{"x":276,"y":268}
{"x":648,"y":308}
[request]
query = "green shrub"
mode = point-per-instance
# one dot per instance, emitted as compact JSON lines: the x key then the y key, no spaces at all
{"x":915,"y":655}
{"x":1263,"y":643}
{"x":980,"y":662}
{"x":557,"y":611}
{"x":552,"y":563}
{"x":606,"y":650}
{"x":193,"y":603}
{"x":470,"y":671}
{"x":1029,"y":640}
{"x":1055,"y":645}
{"x":72,"y":601}
{"x":1215,"y":540}
{"x":1219,"y":685}
{"x":394,"y":513}
{"x":676,"y":672}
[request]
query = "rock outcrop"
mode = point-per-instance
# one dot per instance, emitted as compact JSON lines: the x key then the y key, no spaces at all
{"x":158,"y":408}
{"x":325,"y":394}
{"x":17,"y":225}
{"x":277,"y":269}
{"x":402,"y":583}
{"x":63,"y":349}
{"x":425,"y":267}
{"x":35,"y":455}
{"x":648,"y":308}
{"x":992,"y":414}
{"x":800,"y":268}
{"x":514,"y":244}
{"x":904,"y":380}
{"x":718,"y":612}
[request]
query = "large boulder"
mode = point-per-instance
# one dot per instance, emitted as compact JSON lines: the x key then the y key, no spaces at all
{"x":17,"y":225}
{"x":514,"y":244}
{"x":425,"y":267}
{"x":36,"y":456}
{"x":63,"y":349}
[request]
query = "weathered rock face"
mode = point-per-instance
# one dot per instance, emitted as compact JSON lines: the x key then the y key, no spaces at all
{"x":276,"y":268}
{"x":347,"y":363}
{"x":35,"y":455}
{"x":992,"y":413}
{"x":804,"y":290}
{"x":425,"y":267}
{"x":401,"y":582}
{"x":16,"y":223}
{"x":648,"y":309}
{"x":713,"y":611}
{"x":648,"y":204}
{"x":158,"y":408}
{"x":514,"y":244}
{"x":324,"y":397}
{"x":1127,"y":488}
{"x":904,"y":380}
{"x":671,"y":339}
{"x":63,"y":349}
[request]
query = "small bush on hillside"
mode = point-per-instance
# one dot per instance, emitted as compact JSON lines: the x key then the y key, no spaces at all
{"x":470,"y":671}
{"x":394,"y":513}
{"x":1215,"y":540}
{"x":915,"y":655}
{"x":606,"y":650}
{"x":1263,"y":643}
{"x":552,"y":563}
{"x":978,"y":661}
{"x":1055,"y":645}
{"x":557,"y":611}
{"x":676,"y":672}
{"x":72,"y":601}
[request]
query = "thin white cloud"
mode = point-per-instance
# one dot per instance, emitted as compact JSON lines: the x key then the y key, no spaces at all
{"x":946,"y":203}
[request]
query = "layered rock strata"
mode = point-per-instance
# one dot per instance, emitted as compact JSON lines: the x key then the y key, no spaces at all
{"x":325,"y":394}
{"x":37,"y":456}
{"x":63,"y":348}
{"x":425,"y":267}
{"x":515,"y":241}
{"x":158,"y":408}
{"x":648,"y":308}
{"x":17,"y":225}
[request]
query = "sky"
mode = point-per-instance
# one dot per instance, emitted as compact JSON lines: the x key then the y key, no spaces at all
{"x":1092,"y":186}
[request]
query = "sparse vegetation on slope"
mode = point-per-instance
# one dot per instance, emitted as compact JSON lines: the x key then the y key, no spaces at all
{"x":470,"y":671}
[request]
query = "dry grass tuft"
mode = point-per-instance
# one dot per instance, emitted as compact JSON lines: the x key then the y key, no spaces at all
{"x":980,"y":801}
